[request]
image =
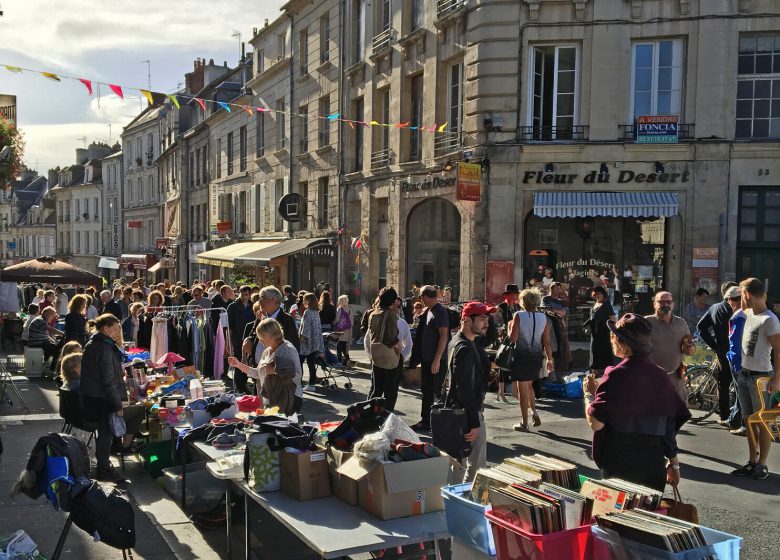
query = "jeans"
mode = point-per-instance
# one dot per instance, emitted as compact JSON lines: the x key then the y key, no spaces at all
{"x":735,"y":416}
{"x":430,"y":386}
{"x":478,"y":457}
{"x":384,"y":383}
{"x":747,"y":392}
{"x":311,"y":360}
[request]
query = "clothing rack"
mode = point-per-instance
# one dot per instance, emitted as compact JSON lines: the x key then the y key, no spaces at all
{"x":184,"y":309}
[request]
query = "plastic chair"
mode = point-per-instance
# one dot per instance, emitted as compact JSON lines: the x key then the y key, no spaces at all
{"x":764,"y":415}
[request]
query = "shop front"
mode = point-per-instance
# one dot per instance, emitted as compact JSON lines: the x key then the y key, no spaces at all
{"x":108,"y":268}
{"x":136,"y":266}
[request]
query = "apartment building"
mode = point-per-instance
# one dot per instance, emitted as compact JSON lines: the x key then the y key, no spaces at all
{"x":113,"y":227}
{"x":29,"y":230}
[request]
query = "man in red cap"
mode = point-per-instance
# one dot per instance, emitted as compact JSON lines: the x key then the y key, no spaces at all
{"x":470,"y":372}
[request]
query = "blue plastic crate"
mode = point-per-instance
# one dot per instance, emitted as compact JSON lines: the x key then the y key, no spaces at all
{"x":466,"y":519}
{"x":610,"y":546}
{"x":570,"y":390}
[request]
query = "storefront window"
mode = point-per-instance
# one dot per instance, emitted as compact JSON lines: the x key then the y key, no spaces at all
{"x":624,"y":254}
{"x":433,"y":245}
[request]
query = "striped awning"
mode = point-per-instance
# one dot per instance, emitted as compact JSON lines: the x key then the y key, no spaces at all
{"x":606,"y":204}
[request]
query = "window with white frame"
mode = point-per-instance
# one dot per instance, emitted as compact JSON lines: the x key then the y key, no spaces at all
{"x":260,"y":133}
{"x":554,"y":96}
{"x":281,"y":133}
{"x":455,"y":103}
{"x":656,"y":77}
{"x":324,"y":38}
{"x":278,"y":194}
{"x":758,"y":87}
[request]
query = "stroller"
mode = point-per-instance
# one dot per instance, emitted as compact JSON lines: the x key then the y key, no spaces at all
{"x":331,"y":366}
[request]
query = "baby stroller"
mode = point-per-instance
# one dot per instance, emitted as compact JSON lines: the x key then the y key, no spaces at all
{"x":331,"y":366}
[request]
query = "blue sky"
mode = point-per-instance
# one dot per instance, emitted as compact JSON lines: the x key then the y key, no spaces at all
{"x":107,"y":40}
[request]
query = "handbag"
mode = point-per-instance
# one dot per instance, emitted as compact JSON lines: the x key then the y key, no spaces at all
{"x":449,"y":424}
{"x":679,"y":510}
{"x":382,"y":355}
{"x":345,"y":322}
{"x":528,"y":361}
{"x":505,"y":356}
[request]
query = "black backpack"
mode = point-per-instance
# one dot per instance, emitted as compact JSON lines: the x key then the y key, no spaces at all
{"x":104,"y":513}
{"x":454,"y":317}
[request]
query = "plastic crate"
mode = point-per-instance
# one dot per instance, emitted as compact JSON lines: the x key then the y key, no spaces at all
{"x":466,"y":519}
{"x":204,"y":492}
{"x":513,"y":543}
{"x":570,"y":390}
{"x":611,"y":546}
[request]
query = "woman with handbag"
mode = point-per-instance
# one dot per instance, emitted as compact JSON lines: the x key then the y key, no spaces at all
{"x":634,"y":411}
{"x":310,"y":334}
{"x":344,"y":326}
{"x":600,"y":348}
{"x":508,"y":308}
{"x":384,"y":347}
{"x":530,"y":332}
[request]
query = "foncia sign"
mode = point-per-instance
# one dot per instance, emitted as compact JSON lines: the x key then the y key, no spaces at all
{"x":593,"y":177}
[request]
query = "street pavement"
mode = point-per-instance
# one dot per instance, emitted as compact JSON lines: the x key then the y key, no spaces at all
{"x":744,"y":507}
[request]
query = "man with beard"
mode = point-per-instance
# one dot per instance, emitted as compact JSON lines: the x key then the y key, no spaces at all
{"x":671,"y":339}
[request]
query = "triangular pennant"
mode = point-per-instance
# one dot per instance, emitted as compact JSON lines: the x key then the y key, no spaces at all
{"x":402,"y":125}
{"x":87,"y":84}
{"x":248,"y":109}
{"x":333,"y":116}
{"x":175,"y":101}
{"x":266,"y":106}
{"x":117,"y":90}
{"x":224,"y":105}
{"x":374,"y":123}
{"x":442,"y":127}
{"x":148,"y":95}
{"x":351,"y":125}
{"x":51,"y":76}
{"x":201,"y":103}
{"x":14,"y":69}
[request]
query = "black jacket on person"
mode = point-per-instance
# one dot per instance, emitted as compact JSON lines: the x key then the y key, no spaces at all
{"x":289,"y":328}
{"x":75,"y":328}
{"x":714,"y":327}
{"x":470,"y":371}
{"x":239,"y":316}
{"x":289,"y":301}
{"x":101,"y":371}
{"x":327,"y":314}
{"x":113,"y":308}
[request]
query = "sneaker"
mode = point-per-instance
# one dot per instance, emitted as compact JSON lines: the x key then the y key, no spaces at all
{"x":745,"y":470}
{"x":537,"y":420}
{"x":725,"y":423}
{"x":741,"y":431}
{"x":760,"y":472}
{"x":520,"y":428}
{"x":310,"y":388}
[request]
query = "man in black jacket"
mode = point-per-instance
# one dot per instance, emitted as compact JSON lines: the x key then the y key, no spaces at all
{"x":713,"y":328}
{"x":109,"y":305}
{"x":271,"y":302}
{"x":239,"y":314}
{"x":470,"y":372}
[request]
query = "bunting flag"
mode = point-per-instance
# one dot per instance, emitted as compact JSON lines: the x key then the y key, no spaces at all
{"x":87,"y":84}
{"x":402,"y":125}
{"x":266,"y":107}
{"x":117,"y":90}
{"x":51,"y":76}
{"x":248,"y":110}
{"x":333,"y":116}
{"x":442,"y":127}
{"x":224,"y":105}
{"x":201,"y":103}
{"x":374,"y":123}
{"x":14,"y":69}
{"x":175,"y":101}
{"x":148,"y":95}
{"x":351,"y":125}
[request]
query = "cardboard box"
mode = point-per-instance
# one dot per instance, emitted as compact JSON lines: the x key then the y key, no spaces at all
{"x":392,"y":490}
{"x":304,"y":476}
{"x":343,"y":487}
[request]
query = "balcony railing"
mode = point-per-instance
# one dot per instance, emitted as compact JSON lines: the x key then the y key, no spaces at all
{"x":576,"y":133}
{"x":684,"y":131}
{"x":382,"y":41}
{"x":380,"y":158}
{"x":444,"y":7}
{"x":446,"y":143}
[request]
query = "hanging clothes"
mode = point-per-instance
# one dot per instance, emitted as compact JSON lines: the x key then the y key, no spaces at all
{"x":144,"y":336}
{"x":159,"y":345}
{"x":219,"y":351}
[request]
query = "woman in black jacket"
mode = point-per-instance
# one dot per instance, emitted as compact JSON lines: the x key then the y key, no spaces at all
{"x":76,"y":321}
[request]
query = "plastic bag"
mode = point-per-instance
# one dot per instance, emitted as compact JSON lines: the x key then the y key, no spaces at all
{"x":394,"y":428}
{"x":373,"y":447}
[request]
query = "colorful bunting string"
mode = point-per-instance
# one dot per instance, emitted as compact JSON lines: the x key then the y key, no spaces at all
{"x":155,"y":97}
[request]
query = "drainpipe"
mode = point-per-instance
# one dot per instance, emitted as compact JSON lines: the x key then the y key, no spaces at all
{"x":342,"y":189}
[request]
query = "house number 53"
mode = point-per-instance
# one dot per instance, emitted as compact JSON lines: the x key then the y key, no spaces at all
{"x":762,"y":172}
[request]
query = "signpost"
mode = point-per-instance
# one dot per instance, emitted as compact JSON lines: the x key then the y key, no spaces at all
{"x":656,"y":129}
{"x":469,"y":181}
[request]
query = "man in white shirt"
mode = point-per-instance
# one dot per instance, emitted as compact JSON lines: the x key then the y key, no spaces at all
{"x":60,"y":301}
{"x":760,"y":337}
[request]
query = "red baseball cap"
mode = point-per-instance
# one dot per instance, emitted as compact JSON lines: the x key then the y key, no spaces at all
{"x":473,"y":308}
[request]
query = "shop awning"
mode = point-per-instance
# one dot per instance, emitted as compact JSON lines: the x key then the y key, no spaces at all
{"x":606,"y":204}
{"x":226,"y":256}
{"x":288,"y":247}
{"x":108,"y":262}
{"x":155,"y":267}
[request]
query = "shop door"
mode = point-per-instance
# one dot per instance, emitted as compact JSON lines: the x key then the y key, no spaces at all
{"x":758,"y":237}
{"x":433,"y":245}
{"x":764,"y":265}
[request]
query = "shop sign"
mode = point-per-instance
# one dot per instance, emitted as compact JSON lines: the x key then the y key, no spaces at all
{"x":291,"y":207}
{"x":656,"y":129}
{"x":223,"y":228}
{"x":434,"y":183}
{"x":161,"y":242}
{"x":115,"y":238}
{"x":8,"y":108}
{"x":704,"y":272}
{"x":135,"y":224}
{"x":469,"y":178}
{"x":592,"y":177}
{"x":10,"y":245}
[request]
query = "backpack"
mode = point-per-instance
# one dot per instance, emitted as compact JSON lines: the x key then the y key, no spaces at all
{"x":454,"y":318}
{"x":104,"y":513}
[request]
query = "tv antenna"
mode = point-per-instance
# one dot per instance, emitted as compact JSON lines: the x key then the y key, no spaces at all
{"x":148,"y":73}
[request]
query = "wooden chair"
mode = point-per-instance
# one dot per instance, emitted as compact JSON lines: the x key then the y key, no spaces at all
{"x":765,"y":415}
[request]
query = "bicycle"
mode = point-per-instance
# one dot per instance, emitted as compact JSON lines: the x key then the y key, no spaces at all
{"x":702,"y":385}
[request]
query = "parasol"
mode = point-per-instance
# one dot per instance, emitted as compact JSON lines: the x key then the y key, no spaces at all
{"x":49,"y":270}
{"x":170,"y":358}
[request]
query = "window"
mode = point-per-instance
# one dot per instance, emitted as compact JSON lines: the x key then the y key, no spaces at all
{"x":260,"y":62}
{"x":357,"y":113}
{"x":260,"y":124}
{"x":358,"y":30}
{"x":281,"y":133}
{"x":193,"y":179}
{"x":382,"y":269}
{"x":219,"y":158}
{"x":416,"y":117}
{"x":303,"y":120}
{"x":455,"y":102}
{"x":149,"y":149}
{"x":230,"y":153}
{"x":242,"y":148}
{"x":385,"y":131}
{"x":324,"y":39}
{"x":97,"y":207}
{"x":150,"y":185}
{"x":303,"y":190}
{"x":278,"y":194}
{"x":131,"y":198}
{"x":324,"y":123}
{"x":656,"y":85}
{"x":384,"y":15}
{"x":416,"y":15}
{"x":281,"y":46}
{"x":141,"y":190}
{"x":554,"y":92}
{"x":758,"y":87}
{"x":96,"y":236}
{"x":759,"y":216}
{"x":322,"y":202}
{"x":140,"y":150}
{"x":86,"y":208}
{"x":204,"y":166}
{"x":78,"y":208}
{"x":303,"y":50}
{"x":86,"y":243}
{"x":78,"y":242}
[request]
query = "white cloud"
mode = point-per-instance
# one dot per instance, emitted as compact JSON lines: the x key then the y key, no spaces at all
{"x":50,"y":145}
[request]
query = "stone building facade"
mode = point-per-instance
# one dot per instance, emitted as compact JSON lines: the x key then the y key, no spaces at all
{"x":113,"y":226}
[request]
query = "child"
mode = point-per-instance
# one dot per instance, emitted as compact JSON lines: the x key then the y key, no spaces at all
{"x":70,"y":371}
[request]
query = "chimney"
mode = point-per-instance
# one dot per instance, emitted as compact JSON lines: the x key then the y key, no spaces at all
{"x":195,"y":80}
{"x":54,"y":178}
{"x":224,"y":63}
{"x":211,"y":62}
{"x":265,"y":24}
{"x":81,"y":156}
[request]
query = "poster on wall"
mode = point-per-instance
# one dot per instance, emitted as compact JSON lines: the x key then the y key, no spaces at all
{"x":704,"y":269}
{"x":469,"y":181}
{"x":497,"y":275}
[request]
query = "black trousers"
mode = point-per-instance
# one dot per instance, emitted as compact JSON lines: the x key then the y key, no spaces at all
{"x":724,"y":384}
{"x":431,"y":385}
{"x":311,"y":360}
{"x":384,"y":383}
{"x":49,"y":351}
{"x":637,"y":458}
{"x":342,"y":351}
{"x":99,"y":410}
{"x":239,"y":382}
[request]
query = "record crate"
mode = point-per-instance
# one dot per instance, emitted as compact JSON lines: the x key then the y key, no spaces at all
{"x":466,"y":519}
{"x":514,"y":543}
{"x":610,"y":546}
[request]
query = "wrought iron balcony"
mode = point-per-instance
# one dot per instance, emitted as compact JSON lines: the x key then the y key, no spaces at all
{"x":382,"y":42}
{"x":447,"y":143}
{"x":444,"y":7}
{"x":542,"y":133}
{"x":381,"y":158}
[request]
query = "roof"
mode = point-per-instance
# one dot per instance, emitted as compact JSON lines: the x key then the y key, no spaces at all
{"x":29,"y":196}
{"x":114,"y":155}
{"x":150,"y":114}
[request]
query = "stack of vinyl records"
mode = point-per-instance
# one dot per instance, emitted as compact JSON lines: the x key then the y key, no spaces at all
{"x":555,"y":471}
{"x":612,"y":495}
{"x":500,"y":476}
{"x":659,"y":531}
{"x":545,"y":510}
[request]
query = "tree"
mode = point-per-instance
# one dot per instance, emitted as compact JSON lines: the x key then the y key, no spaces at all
{"x":10,"y":166}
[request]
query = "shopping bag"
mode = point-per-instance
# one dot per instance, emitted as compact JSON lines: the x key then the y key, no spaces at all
{"x":505,"y":357}
{"x":679,"y":510}
{"x":261,"y":462}
{"x":448,"y":430}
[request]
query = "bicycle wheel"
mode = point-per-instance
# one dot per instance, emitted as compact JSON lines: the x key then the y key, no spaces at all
{"x":702,"y":384}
